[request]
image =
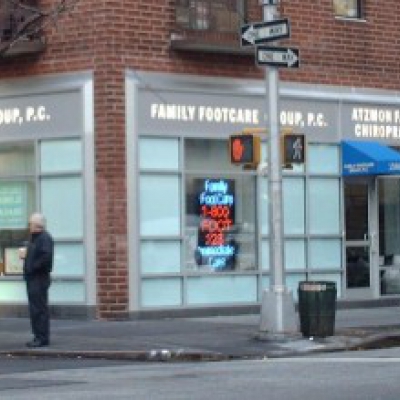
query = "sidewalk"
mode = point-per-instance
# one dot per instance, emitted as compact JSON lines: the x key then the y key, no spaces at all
{"x":191,"y":339}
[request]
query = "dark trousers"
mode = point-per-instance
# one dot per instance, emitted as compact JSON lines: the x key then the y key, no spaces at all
{"x":38,"y":295}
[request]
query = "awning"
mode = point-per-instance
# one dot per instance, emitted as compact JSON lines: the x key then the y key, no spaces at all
{"x":369,"y":158}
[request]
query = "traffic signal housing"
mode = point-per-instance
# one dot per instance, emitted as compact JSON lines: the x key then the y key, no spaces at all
{"x":245,"y":150}
{"x":293,"y":146}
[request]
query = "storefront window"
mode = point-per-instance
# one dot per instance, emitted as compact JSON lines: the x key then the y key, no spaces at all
{"x":62,"y":203}
{"x":53,"y":186}
{"x":220,"y":227}
{"x":323,"y":159}
{"x":294,"y":206}
{"x":159,"y":257}
{"x":295,"y":254}
{"x":17,"y":159}
{"x":17,"y":201}
{"x":324,"y":206}
{"x":389,"y":235}
{"x":160,"y":205}
{"x":50,"y":160}
{"x":159,"y":153}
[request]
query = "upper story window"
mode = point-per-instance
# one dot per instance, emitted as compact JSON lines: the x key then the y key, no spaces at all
{"x":19,"y":33}
{"x":210,"y":15}
{"x":348,"y":8}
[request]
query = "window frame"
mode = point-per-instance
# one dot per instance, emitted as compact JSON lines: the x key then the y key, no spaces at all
{"x":359,"y":10}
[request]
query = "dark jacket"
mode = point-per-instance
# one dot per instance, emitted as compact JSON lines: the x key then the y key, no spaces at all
{"x":39,"y":257}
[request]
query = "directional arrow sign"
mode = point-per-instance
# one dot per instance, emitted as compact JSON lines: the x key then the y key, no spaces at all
{"x":265,"y":32}
{"x":278,"y":56}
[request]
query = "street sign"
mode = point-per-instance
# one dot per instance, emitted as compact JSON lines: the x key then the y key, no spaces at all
{"x":263,"y":32}
{"x":278,"y":56}
{"x":269,"y":2}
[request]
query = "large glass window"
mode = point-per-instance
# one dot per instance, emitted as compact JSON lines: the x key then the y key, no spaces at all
{"x":294,"y":206}
{"x":62,"y":203}
{"x":324,"y":206}
{"x":159,"y":205}
{"x":389,"y":235}
{"x":17,"y":201}
{"x":53,"y":186}
{"x":220,"y":210}
{"x":203,"y":219}
{"x":60,"y":156}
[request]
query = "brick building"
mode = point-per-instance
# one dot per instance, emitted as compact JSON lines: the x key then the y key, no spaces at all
{"x":116,"y":126}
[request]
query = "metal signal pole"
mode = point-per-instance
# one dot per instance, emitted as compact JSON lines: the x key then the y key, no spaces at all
{"x":277,"y":309}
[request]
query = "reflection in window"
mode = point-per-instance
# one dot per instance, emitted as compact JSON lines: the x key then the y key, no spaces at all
{"x":347,"y":8}
{"x":17,"y":200}
{"x":16,"y":204}
{"x":220,"y":223}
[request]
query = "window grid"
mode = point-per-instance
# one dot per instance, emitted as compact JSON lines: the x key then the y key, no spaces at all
{"x":35,"y":176}
{"x":261,"y":274}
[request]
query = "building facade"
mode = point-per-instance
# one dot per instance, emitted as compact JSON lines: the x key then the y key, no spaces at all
{"x":118,"y":131}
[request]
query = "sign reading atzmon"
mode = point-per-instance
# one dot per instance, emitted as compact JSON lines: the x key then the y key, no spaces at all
{"x":371,"y":122}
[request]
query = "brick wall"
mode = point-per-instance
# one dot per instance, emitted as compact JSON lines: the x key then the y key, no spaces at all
{"x":108,"y":36}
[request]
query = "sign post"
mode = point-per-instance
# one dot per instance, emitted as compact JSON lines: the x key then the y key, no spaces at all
{"x":277,"y":308}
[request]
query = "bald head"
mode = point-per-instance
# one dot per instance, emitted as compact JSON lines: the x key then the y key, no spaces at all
{"x":37,"y":223}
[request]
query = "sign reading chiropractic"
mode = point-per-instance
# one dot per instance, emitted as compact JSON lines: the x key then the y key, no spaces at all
{"x":374,"y":122}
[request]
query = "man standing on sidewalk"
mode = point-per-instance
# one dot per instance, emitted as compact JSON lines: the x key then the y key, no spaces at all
{"x":38,"y":263}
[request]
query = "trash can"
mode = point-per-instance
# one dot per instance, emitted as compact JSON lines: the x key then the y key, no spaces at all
{"x":317,"y":308}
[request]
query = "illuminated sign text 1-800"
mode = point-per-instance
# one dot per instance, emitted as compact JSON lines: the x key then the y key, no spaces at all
{"x":216,"y":202}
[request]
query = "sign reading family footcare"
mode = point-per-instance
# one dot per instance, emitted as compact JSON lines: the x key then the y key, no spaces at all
{"x":13,"y":205}
{"x":32,"y":116}
{"x":211,"y":115}
{"x":216,"y":212}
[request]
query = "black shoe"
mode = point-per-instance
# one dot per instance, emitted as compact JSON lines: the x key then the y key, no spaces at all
{"x":37,"y":343}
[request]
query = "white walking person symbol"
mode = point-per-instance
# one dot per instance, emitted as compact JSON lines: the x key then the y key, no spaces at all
{"x":297,"y":147}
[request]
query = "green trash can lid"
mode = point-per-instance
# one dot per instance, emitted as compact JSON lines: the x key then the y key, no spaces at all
{"x":316,"y":286}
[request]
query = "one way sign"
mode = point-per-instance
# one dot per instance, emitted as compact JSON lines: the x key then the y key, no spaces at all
{"x":278,"y":56}
{"x":263,"y":32}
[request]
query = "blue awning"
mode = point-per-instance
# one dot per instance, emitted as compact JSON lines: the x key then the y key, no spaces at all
{"x":369,"y":158}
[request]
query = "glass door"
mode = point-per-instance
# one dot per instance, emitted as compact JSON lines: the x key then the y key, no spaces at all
{"x":358,"y":241}
{"x":389,"y":235}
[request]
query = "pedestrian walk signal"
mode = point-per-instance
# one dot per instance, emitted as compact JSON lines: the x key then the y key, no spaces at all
{"x":245,"y":149}
{"x":293,"y":148}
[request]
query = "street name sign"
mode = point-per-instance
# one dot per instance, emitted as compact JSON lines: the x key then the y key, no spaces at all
{"x":269,"y":2}
{"x":278,"y":56}
{"x":263,"y":32}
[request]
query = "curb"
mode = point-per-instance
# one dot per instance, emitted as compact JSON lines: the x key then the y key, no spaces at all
{"x":152,"y":355}
{"x":283,"y":349}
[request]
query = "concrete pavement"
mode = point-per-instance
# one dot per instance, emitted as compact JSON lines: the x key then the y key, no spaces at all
{"x":212,"y":338}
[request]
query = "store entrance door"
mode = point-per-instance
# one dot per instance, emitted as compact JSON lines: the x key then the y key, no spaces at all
{"x":359,"y":217}
{"x":389,"y":235}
